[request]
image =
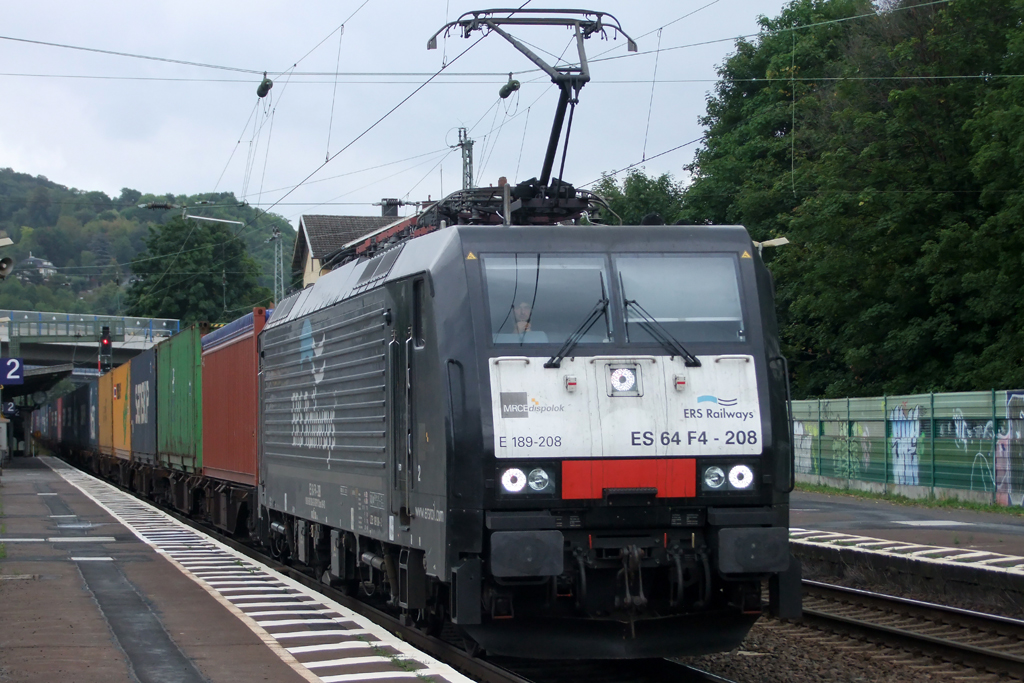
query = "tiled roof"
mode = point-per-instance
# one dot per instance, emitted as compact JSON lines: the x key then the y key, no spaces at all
{"x":327,"y":234}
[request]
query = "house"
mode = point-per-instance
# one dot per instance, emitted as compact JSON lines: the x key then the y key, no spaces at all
{"x":33,"y":267}
{"x":319,"y":236}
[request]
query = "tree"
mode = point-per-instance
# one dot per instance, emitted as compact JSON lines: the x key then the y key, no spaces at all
{"x":194,"y":270}
{"x":640,"y":195}
{"x":129,"y":197}
{"x":899,"y":188}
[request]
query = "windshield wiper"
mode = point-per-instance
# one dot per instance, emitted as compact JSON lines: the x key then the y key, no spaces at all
{"x":663,"y":336}
{"x":600,"y":308}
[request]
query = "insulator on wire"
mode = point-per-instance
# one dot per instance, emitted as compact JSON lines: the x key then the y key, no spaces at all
{"x":508,"y":88}
{"x":265,"y":85}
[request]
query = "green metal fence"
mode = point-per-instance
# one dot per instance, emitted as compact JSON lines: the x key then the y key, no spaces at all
{"x":971,"y":441}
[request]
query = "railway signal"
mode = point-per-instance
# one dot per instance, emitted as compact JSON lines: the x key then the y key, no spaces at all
{"x":106,"y":350}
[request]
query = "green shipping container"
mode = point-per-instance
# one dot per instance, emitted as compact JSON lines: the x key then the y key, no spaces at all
{"x":179,"y":401}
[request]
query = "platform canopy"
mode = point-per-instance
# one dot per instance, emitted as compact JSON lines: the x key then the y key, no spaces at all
{"x":39,"y":379}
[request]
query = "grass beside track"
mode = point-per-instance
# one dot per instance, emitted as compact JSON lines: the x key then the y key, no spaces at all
{"x":929,"y":502}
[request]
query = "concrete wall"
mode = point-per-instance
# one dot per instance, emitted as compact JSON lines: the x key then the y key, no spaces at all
{"x":914,"y":492}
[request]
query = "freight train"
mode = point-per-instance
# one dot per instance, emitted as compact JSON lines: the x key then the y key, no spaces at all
{"x":570,"y":441}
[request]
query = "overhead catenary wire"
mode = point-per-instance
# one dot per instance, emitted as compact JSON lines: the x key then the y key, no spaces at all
{"x":840,"y":78}
{"x":659,"y":29}
{"x":378,"y":180}
{"x":634,"y":165}
{"x":332,"y":74}
{"x":427,"y":175}
{"x":298,"y":75}
{"x":521,"y":145}
{"x":169,"y":60}
{"x":328,"y":36}
{"x":131,"y":55}
{"x":363,"y":170}
{"x":358,"y":137}
{"x":541,"y":81}
{"x":235,"y":148}
{"x":334,"y":94}
{"x":484,"y":145}
{"x":650,"y":105}
{"x":799,"y":27}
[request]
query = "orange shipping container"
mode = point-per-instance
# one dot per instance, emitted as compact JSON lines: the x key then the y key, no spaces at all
{"x":230,"y":390}
{"x":106,"y":421}
{"x":121,"y":411}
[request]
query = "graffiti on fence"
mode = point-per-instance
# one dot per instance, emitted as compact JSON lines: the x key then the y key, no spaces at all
{"x":962,"y":450}
{"x":906,"y":430}
{"x":975,"y":439}
{"x":851,"y":451}
{"x":804,"y":434}
{"x":1009,"y":457}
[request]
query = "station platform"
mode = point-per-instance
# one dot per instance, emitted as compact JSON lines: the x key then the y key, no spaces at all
{"x":965,"y":558}
{"x":98,"y":587}
{"x":988,"y":532}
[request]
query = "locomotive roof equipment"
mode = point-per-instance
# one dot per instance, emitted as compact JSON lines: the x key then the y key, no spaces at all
{"x":570,"y":79}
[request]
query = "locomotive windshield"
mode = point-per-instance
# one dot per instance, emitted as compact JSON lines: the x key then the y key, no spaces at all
{"x":694,"y":298}
{"x":541,"y":299}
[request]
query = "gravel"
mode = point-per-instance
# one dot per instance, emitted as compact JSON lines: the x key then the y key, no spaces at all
{"x":1002,"y":603}
{"x":782,"y":652}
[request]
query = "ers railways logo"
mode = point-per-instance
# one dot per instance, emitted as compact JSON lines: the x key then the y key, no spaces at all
{"x":516,"y":404}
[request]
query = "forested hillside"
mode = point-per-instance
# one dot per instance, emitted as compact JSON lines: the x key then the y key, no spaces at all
{"x":92,"y":238}
{"x":889,"y":150}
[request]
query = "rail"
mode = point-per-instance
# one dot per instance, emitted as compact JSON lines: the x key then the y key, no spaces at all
{"x":980,"y":640}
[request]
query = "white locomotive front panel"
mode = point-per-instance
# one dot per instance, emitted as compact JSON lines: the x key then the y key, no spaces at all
{"x":607,"y":406}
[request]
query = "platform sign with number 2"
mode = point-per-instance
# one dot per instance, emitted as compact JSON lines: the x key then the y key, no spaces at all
{"x":12,"y":371}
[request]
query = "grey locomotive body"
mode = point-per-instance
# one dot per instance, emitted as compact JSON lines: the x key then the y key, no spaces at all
{"x":571,"y":441}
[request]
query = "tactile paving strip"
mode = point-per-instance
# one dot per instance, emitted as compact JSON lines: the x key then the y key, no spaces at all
{"x":960,"y":557}
{"x":331,"y":642}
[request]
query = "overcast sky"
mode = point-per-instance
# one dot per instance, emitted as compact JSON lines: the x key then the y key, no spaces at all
{"x":102,"y":122}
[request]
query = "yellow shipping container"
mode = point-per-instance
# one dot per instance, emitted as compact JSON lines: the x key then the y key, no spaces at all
{"x":106,"y":414}
{"x":121,"y":409}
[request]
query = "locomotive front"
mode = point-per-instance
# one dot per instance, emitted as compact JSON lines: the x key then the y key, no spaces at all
{"x":631,"y":439}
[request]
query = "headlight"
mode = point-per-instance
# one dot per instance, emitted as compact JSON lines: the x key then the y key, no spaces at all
{"x":539,"y":479}
{"x":740,"y":476}
{"x":729,"y":477}
{"x":513,"y":480}
{"x":623,"y":379}
{"x":714,"y":477}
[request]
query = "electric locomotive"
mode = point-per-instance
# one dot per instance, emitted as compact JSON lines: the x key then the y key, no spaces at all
{"x":571,"y":441}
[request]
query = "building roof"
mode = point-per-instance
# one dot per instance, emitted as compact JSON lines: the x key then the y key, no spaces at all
{"x":321,"y":235}
{"x":35,"y":262}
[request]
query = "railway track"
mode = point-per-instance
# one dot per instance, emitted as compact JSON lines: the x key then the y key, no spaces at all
{"x":982,"y":641}
{"x":445,"y":649}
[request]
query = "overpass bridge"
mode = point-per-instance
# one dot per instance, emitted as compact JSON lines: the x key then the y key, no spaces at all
{"x":51,"y":345}
{"x":55,"y":338}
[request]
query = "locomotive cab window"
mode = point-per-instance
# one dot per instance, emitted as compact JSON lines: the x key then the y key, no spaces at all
{"x":543,"y":298}
{"x":695,"y":297}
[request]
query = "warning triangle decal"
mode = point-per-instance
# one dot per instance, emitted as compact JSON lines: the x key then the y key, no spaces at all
{"x":471,"y":257}
{"x":746,"y":254}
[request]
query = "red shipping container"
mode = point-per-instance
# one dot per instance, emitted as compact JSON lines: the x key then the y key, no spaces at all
{"x":230,"y":395}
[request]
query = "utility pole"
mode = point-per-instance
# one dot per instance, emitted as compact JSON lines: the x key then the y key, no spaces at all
{"x":467,"y":159}
{"x":275,"y":237}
